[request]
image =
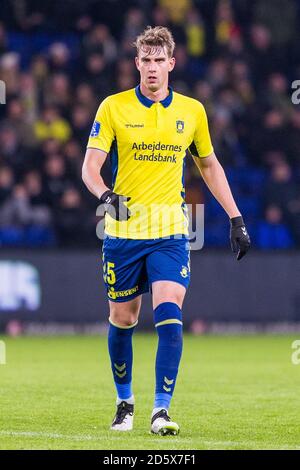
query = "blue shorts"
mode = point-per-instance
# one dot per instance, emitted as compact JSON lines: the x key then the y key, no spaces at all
{"x":130,"y":266}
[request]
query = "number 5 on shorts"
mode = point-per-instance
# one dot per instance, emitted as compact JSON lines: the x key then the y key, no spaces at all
{"x":109,"y":274}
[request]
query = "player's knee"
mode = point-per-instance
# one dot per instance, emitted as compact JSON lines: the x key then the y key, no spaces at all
{"x":122,"y":317}
{"x":168,"y":293}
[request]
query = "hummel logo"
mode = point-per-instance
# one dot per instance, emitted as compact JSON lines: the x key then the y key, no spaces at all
{"x":168,"y":382}
{"x":134,"y":125}
{"x":120,"y":368}
{"x":244,"y":230}
{"x":120,"y":375}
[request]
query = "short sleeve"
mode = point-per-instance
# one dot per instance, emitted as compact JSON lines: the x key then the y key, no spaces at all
{"x":102,"y":133}
{"x":201,"y":145}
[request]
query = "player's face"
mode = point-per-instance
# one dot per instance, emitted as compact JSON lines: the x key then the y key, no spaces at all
{"x":154,"y":66}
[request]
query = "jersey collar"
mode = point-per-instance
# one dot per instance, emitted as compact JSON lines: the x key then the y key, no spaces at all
{"x":148,"y":103}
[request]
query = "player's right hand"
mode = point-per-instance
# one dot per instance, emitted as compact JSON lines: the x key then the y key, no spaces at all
{"x":114,"y":205}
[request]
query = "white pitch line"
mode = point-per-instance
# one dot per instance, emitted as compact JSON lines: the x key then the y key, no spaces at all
{"x":76,"y":438}
{"x":246,"y":444}
{"x":95,"y":438}
{"x":47,"y":435}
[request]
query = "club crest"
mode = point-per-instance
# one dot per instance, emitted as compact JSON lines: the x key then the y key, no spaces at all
{"x":179,"y":126}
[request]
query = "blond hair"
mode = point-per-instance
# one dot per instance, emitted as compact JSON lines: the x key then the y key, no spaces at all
{"x":157,"y":37}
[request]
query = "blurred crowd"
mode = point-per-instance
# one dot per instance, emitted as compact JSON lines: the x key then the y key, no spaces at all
{"x":59,"y":59}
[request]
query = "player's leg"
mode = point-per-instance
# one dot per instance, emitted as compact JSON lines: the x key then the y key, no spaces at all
{"x":167,"y":297}
{"x":125,"y":280}
{"x":122,"y":320}
{"x":169,"y":276}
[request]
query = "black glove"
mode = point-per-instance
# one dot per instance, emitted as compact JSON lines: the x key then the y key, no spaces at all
{"x":239,"y":238}
{"x":114,"y":205}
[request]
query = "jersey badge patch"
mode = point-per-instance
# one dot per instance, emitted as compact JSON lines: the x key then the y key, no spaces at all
{"x":95,"y":129}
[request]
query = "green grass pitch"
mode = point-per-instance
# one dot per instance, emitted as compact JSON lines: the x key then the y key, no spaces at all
{"x":232,"y":393}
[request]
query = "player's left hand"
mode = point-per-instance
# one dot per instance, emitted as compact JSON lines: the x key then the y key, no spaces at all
{"x":239,"y":238}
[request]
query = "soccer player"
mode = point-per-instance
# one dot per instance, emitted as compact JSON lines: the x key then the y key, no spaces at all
{"x":147,"y":131}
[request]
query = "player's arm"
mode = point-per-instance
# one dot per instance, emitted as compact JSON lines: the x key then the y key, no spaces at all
{"x":214,"y":176}
{"x":91,"y":171}
{"x":91,"y":176}
{"x":101,"y":137}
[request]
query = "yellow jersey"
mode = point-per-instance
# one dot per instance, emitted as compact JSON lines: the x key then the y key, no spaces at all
{"x":148,"y":143}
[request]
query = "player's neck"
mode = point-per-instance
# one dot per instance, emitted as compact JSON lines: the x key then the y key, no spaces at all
{"x":156,"y":96}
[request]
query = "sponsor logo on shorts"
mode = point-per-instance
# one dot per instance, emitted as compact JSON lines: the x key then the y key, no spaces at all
{"x":112,"y":294}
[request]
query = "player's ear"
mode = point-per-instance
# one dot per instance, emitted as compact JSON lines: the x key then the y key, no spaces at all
{"x":137,"y":63}
{"x":172,"y":62}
